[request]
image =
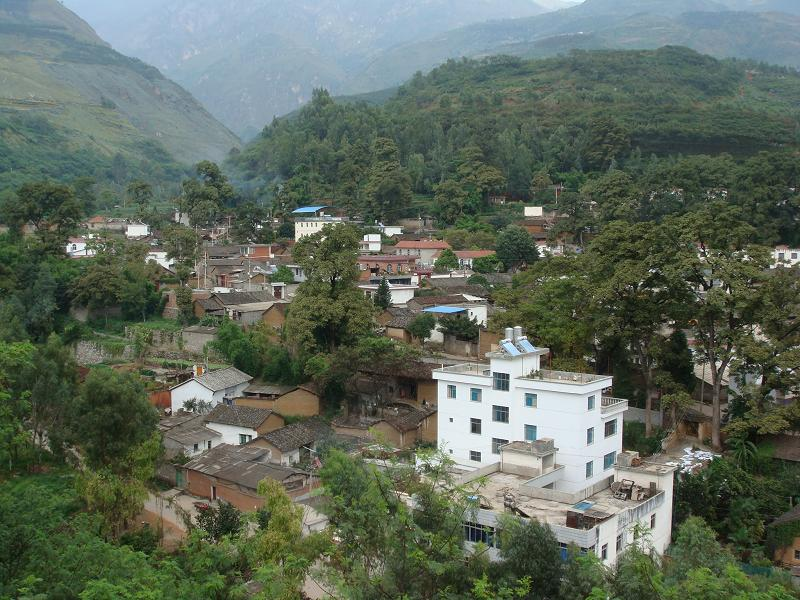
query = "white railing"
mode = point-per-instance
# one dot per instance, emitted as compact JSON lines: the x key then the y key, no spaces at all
{"x":609,"y":404}
{"x":468,"y":369}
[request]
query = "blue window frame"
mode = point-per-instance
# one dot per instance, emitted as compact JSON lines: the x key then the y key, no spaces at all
{"x":531,"y":400}
{"x":502,"y":381}
{"x":475,"y":394}
{"x":530,"y":433}
{"x":609,"y":460}
{"x":589,"y":469}
{"x":451,"y":391}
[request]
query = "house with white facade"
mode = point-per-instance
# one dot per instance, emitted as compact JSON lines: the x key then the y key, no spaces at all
{"x":187,"y":434}
{"x":239,"y":425}
{"x":400,"y":293}
{"x":552,"y":441}
{"x":309,"y":220}
{"x":424,"y":251}
{"x":78,"y":247}
{"x":136,"y":231}
{"x":785,"y":256}
{"x":210,"y":387}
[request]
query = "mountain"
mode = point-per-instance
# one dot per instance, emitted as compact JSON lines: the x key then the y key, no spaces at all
{"x":708,"y":26}
{"x":248,"y":61}
{"x":70,"y":105}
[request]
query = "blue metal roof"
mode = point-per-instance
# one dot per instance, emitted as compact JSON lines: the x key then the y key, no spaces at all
{"x":305,"y":210}
{"x":445,"y":310}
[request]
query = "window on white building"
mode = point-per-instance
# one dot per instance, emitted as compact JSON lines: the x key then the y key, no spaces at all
{"x":196,"y":447}
{"x":589,"y":469}
{"x":244,"y":438}
{"x":590,"y":436}
{"x":500,"y":414}
{"x":590,"y":403}
{"x":209,"y":445}
{"x":530,"y":433}
{"x":502,"y":381}
{"x":475,"y":394}
{"x":496,"y":443}
{"x":611,"y":428}
{"x":475,"y":532}
{"x":475,"y":456}
{"x":609,"y":460}
{"x":475,"y":426}
{"x":619,"y":543}
{"x":794,"y":255}
{"x":653,"y":521}
{"x":451,"y":391}
{"x":531,"y":400}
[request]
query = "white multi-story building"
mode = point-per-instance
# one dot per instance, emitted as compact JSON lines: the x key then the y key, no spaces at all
{"x":309,"y":220}
{"x":785,"y":256}
{"x":549,"y":444}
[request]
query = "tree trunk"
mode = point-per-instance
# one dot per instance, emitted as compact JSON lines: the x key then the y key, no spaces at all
{"x":716,"y":413}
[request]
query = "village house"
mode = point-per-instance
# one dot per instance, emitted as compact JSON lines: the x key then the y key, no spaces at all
{"x":400,"y":293}
{"x":411,"y":383}
{"x":399,"y":425}
{"x":387,"y":264}
{"x":423,"y":251}
{"x":232,"y":474}
{"x":211,"y":388}
{"x":137,"y":231}
{"x":197,"y":337}
{"x":287,"y":401}
{"x":466,"y":258}
{"x":550,"y":443}
{"x":224,"y":304}
{"x":788,"y":555}
{"x":309,"y":220}
{"x":79,"y":247}
{"x":101,"y":223}
{"x":187,"y":434}
{"x":241,"y":424}
{"x":785,"y":256}
{"x":294,"y":443}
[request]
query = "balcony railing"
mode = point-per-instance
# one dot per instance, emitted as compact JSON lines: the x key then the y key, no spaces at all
{"x":609,"y":404}
{"x":468,"y":369}
{"x":565,"y":377}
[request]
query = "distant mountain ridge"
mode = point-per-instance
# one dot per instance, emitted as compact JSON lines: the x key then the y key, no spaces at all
{"x":69,"y":103}
{"x":708,"y":26}
{"x":250,"y":60}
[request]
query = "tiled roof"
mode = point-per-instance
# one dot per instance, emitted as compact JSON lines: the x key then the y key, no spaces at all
{"x":422,"y":245}
{"x":788,"y":517}
{"x":268,"y":389}
{"x":243,"y":465}
{"x":297,"y":435}
{"x":222,"y":379}
{"x":238,"y":416}
{"x":232,"y":298}
{"x":401,"y":318}
{"x":406,"y":417}
{"x":187,"y":429}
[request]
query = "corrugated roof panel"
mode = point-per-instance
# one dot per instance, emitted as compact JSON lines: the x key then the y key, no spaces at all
{"x":304,"y":210}
{"x":445,"y":310}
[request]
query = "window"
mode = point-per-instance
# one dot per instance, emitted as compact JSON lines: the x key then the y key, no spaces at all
{"x":196,"y":447}
{"x":531,"y":400}
{"x":500,"y":414}
{"x":502,"y":381}
{"x":604,"y":552}
{"x":619,"y":543}
{"x":609,"y":460}
{"x":475,"y":456}
{"x":794,"y":255}
{"x":475,"y":394}
{"x":388,"y":268}
{"x":589,"y":469}
{"x":653,"y":521}
{"x":530,"y":433}
{"x":213,"y":492}
{"x":590,"y":436}
{"x":475,"y":426}
{"x":209,"y":445}
{"x":496,"y":443}
{"x":590,"y":403}
{"x":781,"y":255}
{"x":451,"y":419}
{"x":451,"y":391}
{"x":475,"y":533}
{"x":797,"y":554}
{"x":611,"y":428}
{"x":243,"y":438}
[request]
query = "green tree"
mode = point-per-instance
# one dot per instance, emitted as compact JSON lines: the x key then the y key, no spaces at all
{"x":447,"y":261}
{"x":516,"y":248}
{"x":383,"y":296}
{"x":282,"y":274}
{"x":422,"y":326}
{"x":695,"y":547}
{"x":450,"y":201}
{"x":388,"y":186}
{"x":615,"y":195}
{"x":182,"y":245}
{"x":582,"y":574}
{"x":141,"y":194}
{"x":328,"y":310}
{"x":219,"y":521}
{"x":608,"y":141}
{"x":530,"y":549}
{"x":50,"y":208}
{"x":112,"y":416}
{"x":487,"y":264}
{"x":185,"y":302}
{"x":205,"y":196}
{"x":250,"y":224}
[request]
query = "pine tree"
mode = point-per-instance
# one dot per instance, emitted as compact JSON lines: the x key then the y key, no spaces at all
{"x":383,"y":297}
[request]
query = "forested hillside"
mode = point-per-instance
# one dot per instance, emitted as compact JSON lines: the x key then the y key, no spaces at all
{"x":732,"y":28}
{"x":498,"y":122}
{"x":71,"y":106}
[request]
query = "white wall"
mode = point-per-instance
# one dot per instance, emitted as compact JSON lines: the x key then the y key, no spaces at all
{"x":230,"y":433}
{"x":191,"y":389}
{"x":137,"y":230}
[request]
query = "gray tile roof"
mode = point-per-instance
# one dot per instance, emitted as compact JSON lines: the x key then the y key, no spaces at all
{"x":299,"y":434}
{"x":268,"y":389}
{"x":222,"y":379}
{"x":242,"y":465}
{"x":238,"y":416}
{"x":232,"y":298}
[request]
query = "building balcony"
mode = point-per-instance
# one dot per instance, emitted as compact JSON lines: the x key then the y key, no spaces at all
{"x":612,"y":405}
{"x":480,"y":370}
{"x":565,"y":377}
